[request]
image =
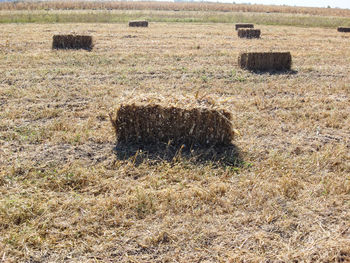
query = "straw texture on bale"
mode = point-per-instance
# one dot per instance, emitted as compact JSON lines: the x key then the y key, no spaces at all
{"x":249,"y":33}
{"x":343,"y":29}
{"x":153,"y":124}
{"x":72,"y":42}
{"x":243,"y":25}
{"x":265,"y":61}
{"x":138,"y":23}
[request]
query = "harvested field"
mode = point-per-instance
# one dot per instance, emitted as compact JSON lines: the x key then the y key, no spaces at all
{"x":343,"y":29}
{"x":66,"y":197}
{"x":138,"y":23}
{"x":244,"y":25}
{"x":72,"y":42}
{"x":265,"y":61}
{"x":249,"y":33}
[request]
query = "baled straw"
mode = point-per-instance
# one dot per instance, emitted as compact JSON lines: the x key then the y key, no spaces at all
{"x":265,"y":61}
{"x":343,"y":29}
{"x":72,"y":42}
{"x":249,"y":33}
{"x":243,"y":25}
{"x":140,"y":23}
{"x":154,"y":123}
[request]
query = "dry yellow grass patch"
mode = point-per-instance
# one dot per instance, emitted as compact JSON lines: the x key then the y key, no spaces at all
{"x":178,"y":6}
{"x":65,"y":196}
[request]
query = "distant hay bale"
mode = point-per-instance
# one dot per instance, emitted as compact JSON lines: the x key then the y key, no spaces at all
{"x":140,"y":23}
{"x":265,"y":61}
{"x":343,"y":29}
{"x":154,"y":123}
{"x":244,"y":25}
{"x":249,"y":33}
{"x":72,"y":42}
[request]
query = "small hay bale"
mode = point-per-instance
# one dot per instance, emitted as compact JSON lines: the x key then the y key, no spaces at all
{"x":243,"y":25}
{"x":249,"y":33}
{"x":72,"y":42}
{"x":265,"y":61}
{"x":140,"y":23}
{"x":154,"y":124}
{"x":343,"y":29}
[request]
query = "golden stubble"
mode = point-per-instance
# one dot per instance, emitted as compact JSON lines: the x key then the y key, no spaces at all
{"x":64,"y":196}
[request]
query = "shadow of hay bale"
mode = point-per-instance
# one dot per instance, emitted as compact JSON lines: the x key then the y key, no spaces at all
{"x":275,"y":72}
{"x":228,"y":155}
{"x":72,"y":42}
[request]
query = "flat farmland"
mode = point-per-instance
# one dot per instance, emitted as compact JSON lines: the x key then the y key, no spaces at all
{"x":66,"y":196}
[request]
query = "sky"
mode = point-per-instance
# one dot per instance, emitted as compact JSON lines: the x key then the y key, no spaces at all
{"x":314,"y":3}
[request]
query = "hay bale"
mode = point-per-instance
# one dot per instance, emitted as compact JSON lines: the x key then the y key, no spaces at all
{"x":150,"y":123}
{"x":72,"y":42}
{"x":140,"y":23}
{"x":244,"y":25}
{"x":265,"y":61}
{"x":343,"y":29}
{"x":249,"y":33}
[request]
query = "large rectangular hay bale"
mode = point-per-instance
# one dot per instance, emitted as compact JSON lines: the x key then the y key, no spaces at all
{"x":249,"y":33}
{"x":244,"y":25}
{"x":265,"y":60}
{"x":140,"y":23}
{"x":343,"y":29}
{"x":72,"y":42}
{"x":153,"y":124}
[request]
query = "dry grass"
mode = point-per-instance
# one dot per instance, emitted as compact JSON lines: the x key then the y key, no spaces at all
{"x":186,"y":6}
{"x":167,"y":16}
{"x":65,"y":197}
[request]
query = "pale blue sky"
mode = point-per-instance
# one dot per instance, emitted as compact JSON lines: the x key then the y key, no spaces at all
{"x":316,"y":3}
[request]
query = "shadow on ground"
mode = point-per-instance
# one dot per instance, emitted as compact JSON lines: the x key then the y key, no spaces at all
{"x":227,"y":155}
{"x":275,"y":72}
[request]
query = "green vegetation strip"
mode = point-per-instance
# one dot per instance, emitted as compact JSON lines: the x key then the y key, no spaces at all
{"x":123,"y":16}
